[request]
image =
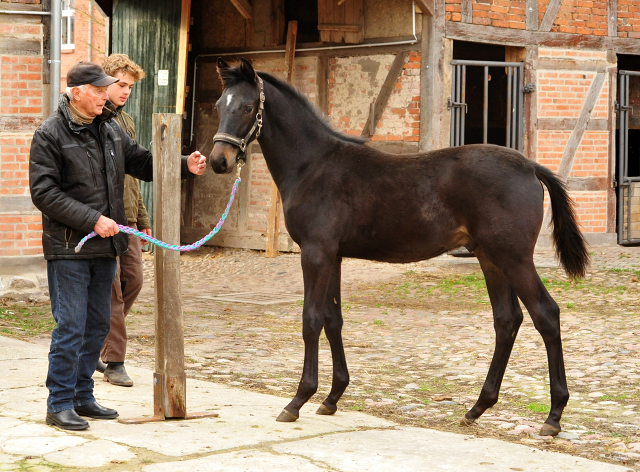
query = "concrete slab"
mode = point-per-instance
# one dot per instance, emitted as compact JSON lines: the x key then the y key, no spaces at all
{"x":420,"y":450}
{"x":91,"y":454}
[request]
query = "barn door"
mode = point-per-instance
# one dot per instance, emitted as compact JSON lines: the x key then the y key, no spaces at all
{"x":492,"y":110}
{"x":628,"y":213}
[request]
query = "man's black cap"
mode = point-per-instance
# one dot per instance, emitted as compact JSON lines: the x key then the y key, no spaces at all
{"x":85,"y":72}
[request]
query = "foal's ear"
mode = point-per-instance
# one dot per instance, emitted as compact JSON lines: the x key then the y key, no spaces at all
{"x":223,"y":70}
{"x":247,"y":71}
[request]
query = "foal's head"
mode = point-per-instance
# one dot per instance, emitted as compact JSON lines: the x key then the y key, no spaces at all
{"x":239,"y":110}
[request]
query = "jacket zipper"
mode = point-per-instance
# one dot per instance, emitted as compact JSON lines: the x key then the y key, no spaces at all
{"x":93,"y":173}
{"x":67,"y":238}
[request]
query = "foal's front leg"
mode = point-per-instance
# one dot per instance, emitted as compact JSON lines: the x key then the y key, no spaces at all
{"x":333,"y":330}
{"x":317,"y":266}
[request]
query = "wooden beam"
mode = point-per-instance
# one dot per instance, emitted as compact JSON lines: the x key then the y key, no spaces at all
{"x":427,"y":7}
{"x":273,"y":223}
{"x":385,"y":92}
{"x":244,"y":7}
{"x":169,"y":376}
{"x":550,"y":15}
{"x":435,"y":81}
{"x":612,"y":17}
{"x":183,"y":53}
{"x":512,"y":37}
{"x":532,"y":15}
{"x":466,"y":11}
{"x":277,"y":21}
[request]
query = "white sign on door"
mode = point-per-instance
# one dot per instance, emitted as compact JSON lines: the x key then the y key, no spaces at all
{"x":163,"y":77}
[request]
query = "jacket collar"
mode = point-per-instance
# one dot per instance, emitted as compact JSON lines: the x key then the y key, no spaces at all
{"x":63,"y":109}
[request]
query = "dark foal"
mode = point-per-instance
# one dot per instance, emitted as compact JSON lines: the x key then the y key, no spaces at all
{"x":342,"y":198}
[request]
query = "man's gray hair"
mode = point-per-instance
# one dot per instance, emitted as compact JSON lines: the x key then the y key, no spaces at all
{"x":82,"y":87}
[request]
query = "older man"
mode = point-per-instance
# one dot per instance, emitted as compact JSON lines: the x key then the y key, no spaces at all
{"x":78,"y":160}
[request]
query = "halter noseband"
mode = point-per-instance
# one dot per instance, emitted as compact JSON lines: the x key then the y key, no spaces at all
{"x":242,"y":143}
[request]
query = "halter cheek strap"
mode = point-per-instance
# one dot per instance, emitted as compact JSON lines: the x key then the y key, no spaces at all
{"x":242,"y":143}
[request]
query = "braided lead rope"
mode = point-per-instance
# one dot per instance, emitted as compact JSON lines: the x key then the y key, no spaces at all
{"x":173,"y":247}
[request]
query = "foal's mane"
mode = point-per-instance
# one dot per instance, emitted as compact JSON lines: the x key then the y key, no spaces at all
{"x":235,"y":74}
{"x":296,"y":95}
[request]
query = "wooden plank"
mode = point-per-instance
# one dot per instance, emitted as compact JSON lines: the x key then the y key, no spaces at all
{"x":322,"y":80}
{"x":338,"y":27}
{"x":531,"y":105}
{"x":337,"y":22}
{"x":532,"y":15}
{"x":569,"y":124}
{"x":273,"y":223}
{"x":587,"y":184}
{"x":183,"y":53}
{"x":277,"y":21}
{"x":466,"y":11}
{"x":168,"y":304}
{"x":612,"y":200}
{"x":435,"y":81}
{"x":244,"y":8}
{"x":46,"y":43}
{"x":612,"y":17}
{"x":385,"y":92}
{"x":550,"y":15}
{"x":571,"y":64}
{"x":511,"y":37}
{"x":427,"y":7}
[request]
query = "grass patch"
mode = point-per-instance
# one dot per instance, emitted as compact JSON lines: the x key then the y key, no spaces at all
{"x":19,"y":322}
{"x":539,"y":407}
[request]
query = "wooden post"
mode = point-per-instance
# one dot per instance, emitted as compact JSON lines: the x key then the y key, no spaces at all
{"x":169,"y":377}
{"x":273,"y":224}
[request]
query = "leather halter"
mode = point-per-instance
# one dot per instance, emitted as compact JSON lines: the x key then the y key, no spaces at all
{"x":242,"y":143}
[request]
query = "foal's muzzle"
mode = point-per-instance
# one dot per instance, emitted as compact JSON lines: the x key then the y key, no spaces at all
{"x":223,"y":157}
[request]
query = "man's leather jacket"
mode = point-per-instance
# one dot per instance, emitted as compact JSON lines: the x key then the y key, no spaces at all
{"x":73,"y":180}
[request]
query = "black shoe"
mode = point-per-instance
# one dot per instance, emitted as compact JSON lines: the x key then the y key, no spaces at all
{"x":117,"y":375}
{"x":94,"y":410}
{"x":67,"y":419}
{"x":101,"y":367}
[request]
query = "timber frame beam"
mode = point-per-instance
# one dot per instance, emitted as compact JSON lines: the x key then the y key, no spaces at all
{"x":244,"y":7}
{"x":426,"y":6}
{"x":504,"y":36}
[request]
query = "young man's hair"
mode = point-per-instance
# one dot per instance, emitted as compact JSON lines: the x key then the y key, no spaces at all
{"x":121,"y":63}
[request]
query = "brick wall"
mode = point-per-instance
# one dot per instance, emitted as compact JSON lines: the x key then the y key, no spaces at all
{"x":21,"y":110}
{"x":579,"y":17}
{"x":354,"y":83}
{"x":561,"y":95}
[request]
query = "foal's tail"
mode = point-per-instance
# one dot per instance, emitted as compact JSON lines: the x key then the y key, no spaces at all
{"x":571,"y":246}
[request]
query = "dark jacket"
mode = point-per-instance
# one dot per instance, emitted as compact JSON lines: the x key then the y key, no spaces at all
{"x":73,"y":180}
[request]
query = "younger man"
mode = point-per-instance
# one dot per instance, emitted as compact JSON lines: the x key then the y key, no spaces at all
{"x":128,"y":280}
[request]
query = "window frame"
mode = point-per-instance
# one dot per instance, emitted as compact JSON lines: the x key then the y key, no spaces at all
{"x":68,"y":16}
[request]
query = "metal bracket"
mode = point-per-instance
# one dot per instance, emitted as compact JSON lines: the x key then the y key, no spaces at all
{"x":529,"y":88}
{"x":451,"y":104}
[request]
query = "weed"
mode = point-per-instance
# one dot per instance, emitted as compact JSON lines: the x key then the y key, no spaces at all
{"x":378,"y":322}
{"x":539,"y":407}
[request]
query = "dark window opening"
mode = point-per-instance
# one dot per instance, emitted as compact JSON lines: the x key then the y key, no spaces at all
{"x":631,"y":63}
{"x":306,"y":14}
{"x":474,"y":93}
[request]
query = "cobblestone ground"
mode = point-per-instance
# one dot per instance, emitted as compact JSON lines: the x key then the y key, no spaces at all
{"x":419,"y":339}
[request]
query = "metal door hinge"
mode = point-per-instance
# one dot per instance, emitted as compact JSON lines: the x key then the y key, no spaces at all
{"x":529,"y":88}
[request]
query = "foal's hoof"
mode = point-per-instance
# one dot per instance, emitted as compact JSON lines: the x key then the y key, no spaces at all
{"x":549,"y":430}
{"x":286,"y":417}
{"x":326,"y":410}
{"x":466,"y":421}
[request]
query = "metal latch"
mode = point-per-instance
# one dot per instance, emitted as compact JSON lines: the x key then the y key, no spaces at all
{"x":451,"y":104}
{"x":529,"y":88}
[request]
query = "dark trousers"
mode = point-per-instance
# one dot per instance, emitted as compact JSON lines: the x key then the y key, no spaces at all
{"x":80,"y":292}
{"x":126,"y":287}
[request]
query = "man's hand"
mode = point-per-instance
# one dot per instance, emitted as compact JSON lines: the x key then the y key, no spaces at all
{"x":197,"y":163}
{"x":146,"y":231}
{"x":106,"y":227}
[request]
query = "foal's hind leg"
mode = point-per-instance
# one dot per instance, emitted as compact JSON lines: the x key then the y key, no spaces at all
{"x":333,"y":330}
{"x":545,"y":313}
{"x":507,"y":317}
{"x":317,"y":268}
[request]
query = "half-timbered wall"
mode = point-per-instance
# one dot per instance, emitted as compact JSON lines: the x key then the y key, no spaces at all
{"x":21,"y":111}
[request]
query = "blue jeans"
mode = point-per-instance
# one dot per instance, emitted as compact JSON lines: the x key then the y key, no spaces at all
{"x":80,"y":292}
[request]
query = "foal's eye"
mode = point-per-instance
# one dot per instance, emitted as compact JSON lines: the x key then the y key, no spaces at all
{"x":248,"y":109}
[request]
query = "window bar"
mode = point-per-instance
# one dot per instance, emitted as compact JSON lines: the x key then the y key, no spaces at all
{"x":452,"y":127}
{"x":485,"y":106}
{"x":520,"y":113}
{"x":463,"y":99}
{"x":509,"y":124}
{"x":458,"y":80}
